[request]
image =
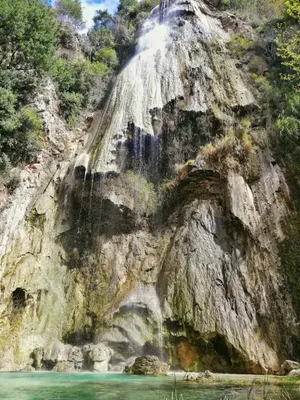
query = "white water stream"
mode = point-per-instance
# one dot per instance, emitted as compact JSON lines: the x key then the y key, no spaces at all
{"x":137,"y":91}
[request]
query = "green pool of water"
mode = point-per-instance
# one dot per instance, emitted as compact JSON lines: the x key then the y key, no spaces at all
{"x":88,"y":386}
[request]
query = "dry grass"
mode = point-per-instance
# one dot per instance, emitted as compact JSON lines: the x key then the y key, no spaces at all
{"x":233,"y":152}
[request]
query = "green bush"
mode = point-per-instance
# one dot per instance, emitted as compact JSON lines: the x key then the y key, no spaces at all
{"x":20,"y":137}
{"x":126,"y":5}
{"x":100,"y":38}
{"x":71,"y":104}
{"x":240,"y":45}
{"x":74,"y":81}
{"x":288,"y":120}
{"x":77,"y":76}
{"x":107,"y":56}
{"x":7,"y":103}
{"x":28,"y":35}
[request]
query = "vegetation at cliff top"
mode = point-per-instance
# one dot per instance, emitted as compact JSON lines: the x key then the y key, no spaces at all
{"x":36,"y":42}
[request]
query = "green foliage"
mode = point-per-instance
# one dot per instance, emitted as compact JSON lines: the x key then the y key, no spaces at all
{"x":293,"y":9}
{"x":67,"y":36}
{"x":20,"y":135}
{"x":74,"y":81}
{"x":239,"y":45}
{"x":71,"y":104}
{"x":255,"y":9}
{"x":126,"y":5}
{"x":28,"y":35}
{"x":102,"y":37}
{"x":288,"y":121}
{"x":288,"y":41}
{"x":102,"y":19}
{"x":263,"y":85}
{"x":76,"y":76}
{"x":70,"y":11}
{"x":141,"y":9}
{"x":233,"y":152}
{"x":7,"y":103}
{"x":107,"y":56}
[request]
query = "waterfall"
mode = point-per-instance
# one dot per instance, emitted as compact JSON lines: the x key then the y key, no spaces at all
{"x":137,"y":91}
{"x":163,"y":8}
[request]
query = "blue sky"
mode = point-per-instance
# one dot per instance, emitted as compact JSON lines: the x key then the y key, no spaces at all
{"x":90,"y":7}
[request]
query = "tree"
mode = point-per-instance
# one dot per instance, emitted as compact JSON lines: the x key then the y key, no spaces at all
{"x":28,"y":35}
{"x":288,"y":42}
{"x":107,"y":56}
{"x":70,"y":11}
{"x":102,"y":37}
{"x":126,"y":5}
{"x":103,"y":19}
{"x":293,"y":9}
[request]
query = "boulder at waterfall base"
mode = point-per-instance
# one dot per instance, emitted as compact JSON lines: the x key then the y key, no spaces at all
{"x":147,"y":365}
{"x":289,"y":366}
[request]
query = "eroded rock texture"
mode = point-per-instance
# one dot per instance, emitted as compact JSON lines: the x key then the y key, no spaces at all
{"x":103,"y":260}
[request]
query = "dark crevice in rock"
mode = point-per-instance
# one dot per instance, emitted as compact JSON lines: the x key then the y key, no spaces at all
{"x":80,"y":338}
{"x":19,"y":297}
{"x":191,"y":351}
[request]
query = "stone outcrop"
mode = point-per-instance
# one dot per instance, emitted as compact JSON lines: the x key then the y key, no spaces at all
{"x":206,"y":376}
{"x":148,"y":365}
{"x":100,"y":356}
{"x":294,"y":373}
{"x":289,"y":366}
{"x":107,"y":254}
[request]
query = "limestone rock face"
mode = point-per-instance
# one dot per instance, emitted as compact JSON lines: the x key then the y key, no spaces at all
{"x":148,"y":365}
{"x":104,"y":257}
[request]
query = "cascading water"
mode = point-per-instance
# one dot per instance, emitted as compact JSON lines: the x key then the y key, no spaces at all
{"x":153,"y":78}
{"x":163,"y":8}
{"x":137,"y":91}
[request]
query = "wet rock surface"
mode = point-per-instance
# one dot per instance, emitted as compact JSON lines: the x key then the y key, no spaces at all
{"x":147,"y":365}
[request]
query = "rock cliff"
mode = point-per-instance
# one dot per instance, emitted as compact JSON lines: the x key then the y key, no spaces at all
{"x":135,"y":243}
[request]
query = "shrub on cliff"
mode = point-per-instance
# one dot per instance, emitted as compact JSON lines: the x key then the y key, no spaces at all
{"x":28,"y":35}
{"x":20,"y":132}
{"x":233,"y":152}
{"x":74,"y":80}
{"x":288,"y":42}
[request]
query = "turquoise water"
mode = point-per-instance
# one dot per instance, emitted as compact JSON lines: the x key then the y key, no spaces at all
{"x":88,"y":386}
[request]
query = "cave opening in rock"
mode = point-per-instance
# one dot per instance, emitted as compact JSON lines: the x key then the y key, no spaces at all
{"x":19,"y":298}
